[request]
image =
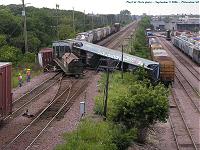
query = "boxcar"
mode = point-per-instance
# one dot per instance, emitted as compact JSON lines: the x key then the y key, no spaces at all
{"x":5,"y":89}
{"x":45,"y":56}
{"x":167,"y":66}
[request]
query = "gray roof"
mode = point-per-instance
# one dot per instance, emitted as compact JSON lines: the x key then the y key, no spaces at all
{"x":2,"y":64}
{"x":114,"y":54}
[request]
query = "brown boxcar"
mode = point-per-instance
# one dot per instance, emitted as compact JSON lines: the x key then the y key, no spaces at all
{"x":45,"y":56}
{"x":5,"y":89}
{"x":167,"y":67}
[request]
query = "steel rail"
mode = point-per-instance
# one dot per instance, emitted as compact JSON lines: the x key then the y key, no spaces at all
{"x":188,"y":93}
{"x":184,"y":76}
{"x":33,"y":98}
{"x":32,"y":90}
{"x":58,"y":112}
{"x":182,"y":60}
{"x":174,"y":133}
{"x":35,"y":119}
{"x":185,"y":124}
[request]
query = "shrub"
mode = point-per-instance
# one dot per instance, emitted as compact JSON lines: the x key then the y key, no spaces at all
{"x":134,"y":103}
{"x":28,"y":58}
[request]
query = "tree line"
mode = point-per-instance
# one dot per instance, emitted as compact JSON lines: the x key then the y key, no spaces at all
{"x":43,"y":25}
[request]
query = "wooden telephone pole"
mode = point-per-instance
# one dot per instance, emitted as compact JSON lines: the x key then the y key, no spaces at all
{"x":25,"y":28}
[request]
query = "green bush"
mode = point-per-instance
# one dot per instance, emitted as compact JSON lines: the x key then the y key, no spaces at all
{"x":123,"y":138}
{"x":28,"y":58}
{"x":133,"y":102}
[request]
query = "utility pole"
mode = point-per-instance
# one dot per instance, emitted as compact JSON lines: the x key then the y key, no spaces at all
{"x":25,"y":29}
{"x":73,"y":21}
{"x":57,"y":21}
{"x":106,"y":92}
{"x":122,"y":65}
{"x":92,"y":21}
{"x":84,"y":21}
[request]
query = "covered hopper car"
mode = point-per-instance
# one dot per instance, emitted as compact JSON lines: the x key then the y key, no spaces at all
{"x":96,"y":35}
{"x":191,"y":49}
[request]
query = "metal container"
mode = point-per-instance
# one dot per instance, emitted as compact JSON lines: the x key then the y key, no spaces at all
{"x":5,"y":89}
{"x":45,"y":56}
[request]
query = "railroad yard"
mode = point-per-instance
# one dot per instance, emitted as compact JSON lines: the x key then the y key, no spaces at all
{"x":50,"y":111}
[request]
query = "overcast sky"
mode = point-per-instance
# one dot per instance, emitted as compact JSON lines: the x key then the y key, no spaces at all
{"x":114,"y":6}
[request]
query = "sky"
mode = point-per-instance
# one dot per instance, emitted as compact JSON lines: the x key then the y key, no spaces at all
{"x":114,"y":6}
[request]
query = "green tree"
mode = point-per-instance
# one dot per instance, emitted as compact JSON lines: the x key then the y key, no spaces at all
{"x":9,"y":53}
{"x":2,"y":40}
{"x":141,"y":108}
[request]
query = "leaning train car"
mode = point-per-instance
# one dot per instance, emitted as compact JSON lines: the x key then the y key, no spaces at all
{"x":45,"y":57}
{"x":5,"y":89}
{"x":65,"y":58}
{"x":167,"y":66}
{"x":190,"y":48}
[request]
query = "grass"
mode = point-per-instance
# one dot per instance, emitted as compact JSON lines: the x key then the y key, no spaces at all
{"x":35,"y":71}
{"x":90,"y":135}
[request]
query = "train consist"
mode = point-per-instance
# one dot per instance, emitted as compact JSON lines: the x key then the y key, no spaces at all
{"x":96,"y":35}
{"x":188,"y":45}
{"x":158,"y":54}
{"x":69,"y":62}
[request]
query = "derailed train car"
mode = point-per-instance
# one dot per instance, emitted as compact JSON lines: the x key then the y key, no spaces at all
{"x":65,"y":59}
{"x":5,"y":89}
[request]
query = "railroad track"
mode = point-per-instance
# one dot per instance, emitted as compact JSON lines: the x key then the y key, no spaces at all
{"x":31,"y":96}
{"x":182,"y":132}
{"x":60,"y":104}
{"x":113,"y":41}
{"x":192,"y":94}
{"x":182,"y":60}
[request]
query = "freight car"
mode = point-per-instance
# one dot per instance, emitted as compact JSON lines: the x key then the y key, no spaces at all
{"x":65,"y":59}
{"x":154,"y":44}
{"x":45,"y":57}
{"x":5,"y":89}
{"x":97,"y":35}
{"x":188,"y":46}
{"x":166,"y":63}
